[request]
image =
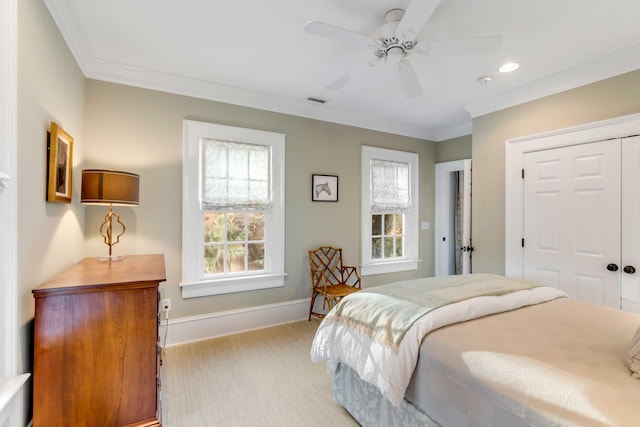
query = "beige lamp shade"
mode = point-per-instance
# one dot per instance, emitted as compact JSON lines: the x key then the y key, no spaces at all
{"x":101,"y":186}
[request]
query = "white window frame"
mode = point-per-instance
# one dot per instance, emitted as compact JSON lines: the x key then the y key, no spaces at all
{"x":410,"y":259}
{"x":194,"y":283}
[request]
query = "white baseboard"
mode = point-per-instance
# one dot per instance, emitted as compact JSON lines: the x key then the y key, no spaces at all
{"x":195,"y":328}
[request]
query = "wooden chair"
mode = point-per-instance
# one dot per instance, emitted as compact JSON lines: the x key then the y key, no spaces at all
{"x":330,"y":278}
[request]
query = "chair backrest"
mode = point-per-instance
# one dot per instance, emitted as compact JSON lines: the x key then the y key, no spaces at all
{"x":326,"y":261}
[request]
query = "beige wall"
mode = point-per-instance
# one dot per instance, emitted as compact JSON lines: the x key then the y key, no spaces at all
{"x":454,"y":149}
{"x":609,"y":98}
{"x":50,"y":88}
{"x":50,"y":235}
{"x":140,"y":131}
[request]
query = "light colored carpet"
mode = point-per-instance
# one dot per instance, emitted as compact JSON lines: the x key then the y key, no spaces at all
{"x":258,"y":378}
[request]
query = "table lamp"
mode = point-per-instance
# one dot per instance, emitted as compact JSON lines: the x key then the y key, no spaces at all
{"x":110,"y":187}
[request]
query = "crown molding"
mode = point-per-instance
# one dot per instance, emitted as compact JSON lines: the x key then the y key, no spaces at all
{"x":101,"y":69}
{"x":73,"y":35}
{"x":603,"y":68}
{"x":64,"y":14}
{"x":454,"y":132}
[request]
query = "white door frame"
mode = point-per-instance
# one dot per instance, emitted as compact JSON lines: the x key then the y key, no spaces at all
{"x":12,"y":402}
{"x":515,"y":148}
{"x":8,"y":196}
{"x":445,"y":198}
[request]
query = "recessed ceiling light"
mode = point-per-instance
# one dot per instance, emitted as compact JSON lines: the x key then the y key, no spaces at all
{"x":485,"y":80}
{"x":508,"y":67}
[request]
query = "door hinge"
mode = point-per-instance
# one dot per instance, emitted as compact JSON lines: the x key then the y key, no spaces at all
{"x":522,"y":173}
{"x":523,"y":243}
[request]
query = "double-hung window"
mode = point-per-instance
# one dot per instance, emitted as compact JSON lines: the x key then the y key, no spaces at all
{"x":389,"y":210}
{"x":233,"y":209}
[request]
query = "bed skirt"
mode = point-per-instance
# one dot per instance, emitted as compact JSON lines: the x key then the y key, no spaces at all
{"x":369,"y":407}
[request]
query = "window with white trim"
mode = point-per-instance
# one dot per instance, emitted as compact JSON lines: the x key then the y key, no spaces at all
{"x":232,"y":209}
{"x":389,"y":214}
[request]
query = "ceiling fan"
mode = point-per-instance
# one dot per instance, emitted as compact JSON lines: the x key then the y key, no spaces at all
{"x":396,"y":40}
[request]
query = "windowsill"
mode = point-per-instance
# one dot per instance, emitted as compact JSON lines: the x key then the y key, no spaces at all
{"x":389,"y":267}
{"x":228,"y":285}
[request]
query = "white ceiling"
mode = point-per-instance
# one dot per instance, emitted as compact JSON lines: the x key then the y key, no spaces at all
{"x":255,"y":53}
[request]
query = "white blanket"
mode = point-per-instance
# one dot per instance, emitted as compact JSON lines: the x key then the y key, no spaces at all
{"x":390,"y":371}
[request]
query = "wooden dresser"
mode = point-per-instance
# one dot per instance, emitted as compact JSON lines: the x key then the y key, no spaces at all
{"x":96,"y":358}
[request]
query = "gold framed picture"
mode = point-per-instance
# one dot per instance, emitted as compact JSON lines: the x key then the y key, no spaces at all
{"x":59,"y":165}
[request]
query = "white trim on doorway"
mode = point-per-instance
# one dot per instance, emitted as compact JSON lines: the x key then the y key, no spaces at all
{"x":12,"y":403}
{"x":515,"y":149}
{"x":8,"y":195}
{"x":445,"y":205}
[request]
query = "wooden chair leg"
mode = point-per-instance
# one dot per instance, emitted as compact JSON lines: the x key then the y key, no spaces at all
{"x":313,"y":301}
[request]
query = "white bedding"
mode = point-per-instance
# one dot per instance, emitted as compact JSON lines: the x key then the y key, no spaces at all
{"x":390,"y":371}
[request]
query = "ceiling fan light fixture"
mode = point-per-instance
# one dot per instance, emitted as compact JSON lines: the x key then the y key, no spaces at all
{"x":508,"y":67}
{"x":395,"y":54}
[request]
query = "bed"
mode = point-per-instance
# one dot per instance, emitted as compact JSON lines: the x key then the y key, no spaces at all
{"x":517,"y":354}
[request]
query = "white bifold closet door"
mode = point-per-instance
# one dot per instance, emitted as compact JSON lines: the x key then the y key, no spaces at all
{"x":582,"y":221}
{"x":630,"y":260}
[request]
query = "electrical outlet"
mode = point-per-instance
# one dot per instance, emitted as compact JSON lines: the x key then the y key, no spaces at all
{"x":166,"y":304}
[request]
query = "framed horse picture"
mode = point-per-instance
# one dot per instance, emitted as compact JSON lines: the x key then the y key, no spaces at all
{"x":324,"y":188}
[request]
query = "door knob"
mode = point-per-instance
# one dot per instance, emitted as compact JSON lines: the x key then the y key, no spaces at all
{"x":629,"y":269}
{"x":612,"y":267}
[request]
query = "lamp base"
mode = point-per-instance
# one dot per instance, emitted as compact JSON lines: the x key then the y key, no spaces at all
{"x":107,"y":235}
{"x":109,"y":258}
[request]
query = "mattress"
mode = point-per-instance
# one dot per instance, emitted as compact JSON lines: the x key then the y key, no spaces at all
{"x":556,"y":363}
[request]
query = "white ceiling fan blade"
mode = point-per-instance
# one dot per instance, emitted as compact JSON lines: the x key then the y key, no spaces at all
{"x":337,"y":33}
{"x":374,"y":62}
{"x":468,"y":46}
{"x":408,"y":79}
{"x":420,"y":48}
{"x":417,"y":14}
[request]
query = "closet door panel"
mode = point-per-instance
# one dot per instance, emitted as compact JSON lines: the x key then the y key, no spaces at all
{"x":572,"y":220}
{"x":630,"y":223}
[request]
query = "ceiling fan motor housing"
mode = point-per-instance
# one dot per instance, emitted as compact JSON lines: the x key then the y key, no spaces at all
{"x":390,"y":38}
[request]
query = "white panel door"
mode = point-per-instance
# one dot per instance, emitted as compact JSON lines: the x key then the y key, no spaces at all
{"x":572,"y":220}
{"x":630,"y":279}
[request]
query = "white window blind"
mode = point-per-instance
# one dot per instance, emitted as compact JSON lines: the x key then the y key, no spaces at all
{"x":390,"y":189}
{"x":235,"y":175}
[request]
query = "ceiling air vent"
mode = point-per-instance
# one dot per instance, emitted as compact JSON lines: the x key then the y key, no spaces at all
{"x":318,"y":100}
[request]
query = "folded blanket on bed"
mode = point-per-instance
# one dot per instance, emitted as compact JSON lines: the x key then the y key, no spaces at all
{"x":633,"y":355}
{"x":386,"y":312}
{"x":363,"y":332}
